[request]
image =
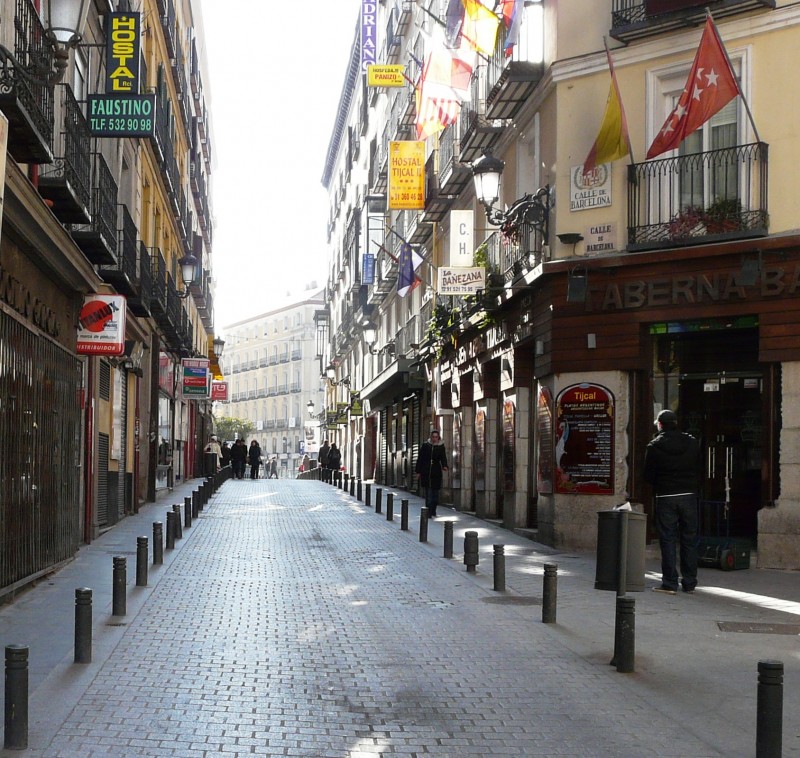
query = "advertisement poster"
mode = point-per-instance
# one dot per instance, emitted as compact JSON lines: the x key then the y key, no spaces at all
{"x":219,"y":391}
{"x":195,"y":378}
{"x":544,"y":440}
{"x":101,"y":325}
{"x":509,"y":445}
{"x":479,"y":450}
{"x":406,"y":176}
{"x":461,"y":281}
{"x":584,"y":440}
{"x":311,"y":438}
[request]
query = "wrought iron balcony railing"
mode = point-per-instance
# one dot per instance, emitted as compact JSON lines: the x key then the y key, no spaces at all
{"x":98,"y":239}
{"x":158,"y":303}
{"x":139,"y":301}
{"x":696,"y":198}
{"x":122,"y":275}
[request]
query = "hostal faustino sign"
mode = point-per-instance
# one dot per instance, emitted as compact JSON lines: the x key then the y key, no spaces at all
{"x":123,"y":53}
{"x":122,"y":115}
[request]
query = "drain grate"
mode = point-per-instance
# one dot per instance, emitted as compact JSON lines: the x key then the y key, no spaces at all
{"x":512,"y":600}
{"x":755,"y":627}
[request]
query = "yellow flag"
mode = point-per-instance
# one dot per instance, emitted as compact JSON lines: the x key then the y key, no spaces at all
{"x":480,"y":26}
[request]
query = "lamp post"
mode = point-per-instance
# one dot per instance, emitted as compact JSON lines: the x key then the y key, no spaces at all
{"x":188,"y":266}
{"x":219,"y":346}
{"x":370,"y":334}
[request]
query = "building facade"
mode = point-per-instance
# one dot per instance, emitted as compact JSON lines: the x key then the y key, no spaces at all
{"x":273,"y":376}
{"x":89,"y":437}
{"x":643,"y":285}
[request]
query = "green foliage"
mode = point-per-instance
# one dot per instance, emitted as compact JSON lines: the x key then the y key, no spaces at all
{"x":227,"y":428}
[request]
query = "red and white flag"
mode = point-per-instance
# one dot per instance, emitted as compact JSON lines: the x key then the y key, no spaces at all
{"x":710,"y":87}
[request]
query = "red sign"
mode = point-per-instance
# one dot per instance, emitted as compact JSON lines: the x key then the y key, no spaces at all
{"x":101,"y":325}
{"x":219,"y":391}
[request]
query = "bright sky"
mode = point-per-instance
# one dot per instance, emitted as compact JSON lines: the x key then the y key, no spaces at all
{"x":276,"y":71}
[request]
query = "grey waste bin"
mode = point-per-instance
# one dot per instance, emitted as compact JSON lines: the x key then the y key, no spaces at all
{"x":608,"y":550}
{"x":209,"y":464}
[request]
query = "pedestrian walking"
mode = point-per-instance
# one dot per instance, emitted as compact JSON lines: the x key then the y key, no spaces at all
{"x":213,"y":447}
{"x":324,"y":451}
{"x":430,"y":468}
{"x":672,"y":465}
{"x":254,"y":457}
{"x":273,"y":468}
{"x":238,"y":458}
{"x":335,"y":462}
{"x":226,"y":454}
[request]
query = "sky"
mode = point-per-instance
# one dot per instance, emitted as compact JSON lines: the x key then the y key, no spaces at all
{"x":275,"y":82}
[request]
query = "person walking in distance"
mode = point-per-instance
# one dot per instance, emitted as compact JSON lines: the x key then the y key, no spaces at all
{"x":273,"y":468}
{"x":431,"y":464}
{"x":324,"y":451}
{"x":334,"y":462}
{"x":672,"y":465}
{"x":238,"y":458}
{"x":213,"y":447}
{"x":254,"y":458}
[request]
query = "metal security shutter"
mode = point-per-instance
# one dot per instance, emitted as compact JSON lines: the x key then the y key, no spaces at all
{"x":102,"y":479}
{"x":122,"y":480}
{"x":383,"y":441}
{"x":415,"y":441}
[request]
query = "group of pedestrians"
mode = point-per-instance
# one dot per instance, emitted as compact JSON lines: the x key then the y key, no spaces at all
{"x":239,"y":456}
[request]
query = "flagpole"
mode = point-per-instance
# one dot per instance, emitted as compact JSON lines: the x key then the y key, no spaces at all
{"x":738,"y":78}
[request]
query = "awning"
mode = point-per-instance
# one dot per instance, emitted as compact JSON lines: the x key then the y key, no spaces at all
{"x":396,"y":379}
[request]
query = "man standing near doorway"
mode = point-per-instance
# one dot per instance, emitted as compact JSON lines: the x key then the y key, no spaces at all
{"x":672,"y":466}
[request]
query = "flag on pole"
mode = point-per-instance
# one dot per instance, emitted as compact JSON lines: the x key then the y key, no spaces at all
{"x":407,"y":280}
{"x":454,"y":21}
{"x":438,"y":104}
{"x":448,"y":71}
{"x":612,"y":141}
{"x":512,"y":18}
{"x":710,"y":87}
{"x":480,"y":26}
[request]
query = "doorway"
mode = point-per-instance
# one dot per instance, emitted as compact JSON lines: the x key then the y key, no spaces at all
{"x":709,"y":374}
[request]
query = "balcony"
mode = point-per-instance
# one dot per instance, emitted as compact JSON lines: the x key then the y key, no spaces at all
{"x":437,"y":203}
{"x":273,"y":359}
{"x":168,"y":25}
{"x":454,"y":176}
{"x":158,"y":302}
{"x":139,"y":300}
{"x":98,"y":238}
{"x":510,"y":81}
{"x":294,"y":387}
{"x":635,"y":19}
{"x":283,"y":388}
{"x":477,"y":134}
{"x":698,"y":198}
{"x":514,"y":255}
{"x":122,"y":274}
{"x":26,"y":101}
{"x":297,"y":355}
{"x":67,"y":182}
{"x":285,"y":357}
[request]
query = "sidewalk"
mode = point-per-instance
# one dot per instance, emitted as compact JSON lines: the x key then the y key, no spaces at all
{"x":693,"y":680}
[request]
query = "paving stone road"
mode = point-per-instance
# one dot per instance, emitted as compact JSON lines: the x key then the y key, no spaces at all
{"x":293,"y":621}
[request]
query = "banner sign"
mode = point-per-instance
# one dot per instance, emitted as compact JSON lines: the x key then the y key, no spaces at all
{"x":461,"y":281}
{"x":123,"y":52}
{"x":356,"y":406}
{"x":101,"y":325}
{"x":330,"y":420}
{"x":219,"y":391}
{"x":386,"y":76}
{"x":368,"y":269}
{"x":369,"y":33}
{"x":341,"y":413}
{"x":462,"y":245}
{"x":311,"y":438}
{"x":407,"y":175}
{"x":122,"y":115}
{"x":195,"y":378}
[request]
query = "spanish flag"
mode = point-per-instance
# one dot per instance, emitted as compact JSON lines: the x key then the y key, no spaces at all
{"x":612,"y":141}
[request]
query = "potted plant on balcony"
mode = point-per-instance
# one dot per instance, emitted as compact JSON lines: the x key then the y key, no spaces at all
{"x":689,"y":222}
{"x":723,"y":215}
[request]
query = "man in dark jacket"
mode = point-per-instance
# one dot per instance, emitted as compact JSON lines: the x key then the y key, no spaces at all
{"x":431,"y":464}
{"x":672,"y":467}
{"x":324,"y":451}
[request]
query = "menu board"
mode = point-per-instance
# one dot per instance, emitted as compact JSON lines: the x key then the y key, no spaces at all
{"x":584,"y":440}
{"x":479,"y":450}
{"x":509,"y":449}
{"x":544,"y":439}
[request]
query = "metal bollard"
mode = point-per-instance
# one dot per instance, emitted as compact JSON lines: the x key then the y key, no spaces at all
{"x":404,"y":515}
{"x":390,"y":506}
{"x":448,"y":539}
{"x":368,"y":496}
{"x":15,"y":736}
{"x":187,"y":511}
{"x":352,"y":486}
{"x":178,"y":521}
{"x":769,"y":710}
{"x":195,"y":505}
{"x":346,"y":481}
{"x":198,"y":498}
{"x":549,"y":593}
{"x":626,"y":635}
{"x":471,"y":551}
{"x":499,"y":568}
{"x":170,"y":530}
{"x":141,"y":561}
{"x":358,"y":489}
{"x":423,"y":524}
{"x":119,"y":581}
{"x":378,"y":495}
{"x":83,"y":625}
{"x":158,"y":543}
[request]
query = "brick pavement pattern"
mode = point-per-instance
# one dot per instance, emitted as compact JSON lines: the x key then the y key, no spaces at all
{"x":295,"y":622}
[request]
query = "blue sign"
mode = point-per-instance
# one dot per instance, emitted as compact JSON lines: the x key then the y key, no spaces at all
{"x":368,"y":269}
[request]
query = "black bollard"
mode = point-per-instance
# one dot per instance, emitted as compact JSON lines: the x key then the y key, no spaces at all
{"x":178,"y":521}
{"x":120,"y":580}
{"x":404,"y":515}
{"x":499,"y":568}
{"x":83,"y":625}
{"x":170,"y":530}
{"x":368,"y":496}
{"x":390,"y":506}
{"x":447,"y":550}
{"x":15,"y":736}
{"x":352,"y":486}
{"x":158,"y":543}
{"x":187,"y":511}
{"x":195,"y":505}
{"x":346,"y":482}
{"x":423,"y":524}
{"x":471,"y":551}
{"x":378,"y":496}
{"x":769,"y":710}
{"x":549,"y":593}
{"x":141,"y":561}
{"x":626,"y":634}
{"x":358,"y":489}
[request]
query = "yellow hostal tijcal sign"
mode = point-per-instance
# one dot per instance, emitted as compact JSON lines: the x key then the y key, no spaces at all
{"x":407,"y":176}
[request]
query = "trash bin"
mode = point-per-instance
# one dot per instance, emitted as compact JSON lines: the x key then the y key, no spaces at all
{"x":608,"y":550}
{"x":209,"y":464}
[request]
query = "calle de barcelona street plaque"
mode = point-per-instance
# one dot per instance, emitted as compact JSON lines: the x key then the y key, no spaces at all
{"x":122,"y":115}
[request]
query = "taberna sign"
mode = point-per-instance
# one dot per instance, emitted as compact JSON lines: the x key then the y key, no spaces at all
{"x":123,"y":52}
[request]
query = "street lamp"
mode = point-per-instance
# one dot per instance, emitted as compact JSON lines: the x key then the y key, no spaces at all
{"x":188,"y":266}
{"x":330,"y":372}
{"x":219,"y":346}
{"x":529,"y":209}
{"x":370,"y":333}
{"x":310,"y":406}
